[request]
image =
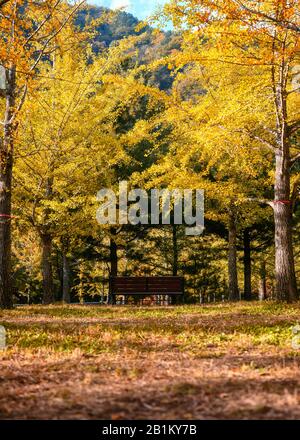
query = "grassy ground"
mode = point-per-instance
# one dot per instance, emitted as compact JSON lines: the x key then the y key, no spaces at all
{"x":190,"y":362}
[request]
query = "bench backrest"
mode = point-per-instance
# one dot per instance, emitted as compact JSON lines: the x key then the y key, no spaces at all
{"x":147,"y":285}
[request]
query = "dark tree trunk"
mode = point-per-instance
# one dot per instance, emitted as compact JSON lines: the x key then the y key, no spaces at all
{"x":113,"y":258}
{"x":286,"y":285}
{"x":66,"y":280}
{"x":48,"y":287}
{"x":113,"y":261}
{"x":247,"y":266}
{"x":175,"y":250}
{"x":175,"y":299}
{"x":262,"y":287}
{"x":234,"y":294}
{"x":46,"y":239}
{"x":6,"y":167}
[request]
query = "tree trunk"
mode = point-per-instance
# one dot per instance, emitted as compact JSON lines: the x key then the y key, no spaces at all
{"x":66,"y":280}
{"x":175,"y":250}
{"x":6,"y":167}
{"x":113,"y":258}
{"x":48,"y":287}
{"x":46,"y":239}
{"x":247,"y":266}
{"x":262,"y":287}
{"x":5,"y":235}
{"x":286,"y":285}
{"x":234,"y":294}
{"x":175,"y":299}
{"x":113,"y":261}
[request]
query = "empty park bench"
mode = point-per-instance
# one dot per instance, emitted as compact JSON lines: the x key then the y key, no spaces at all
{"x":147,"y":287}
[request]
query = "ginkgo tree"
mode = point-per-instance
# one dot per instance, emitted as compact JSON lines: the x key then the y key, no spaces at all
{"x":66,"y":151}
{"x":261,"y":40}
{"x":214,"y":143}
{"x":74,"y":137}
{"x":27,"y":37}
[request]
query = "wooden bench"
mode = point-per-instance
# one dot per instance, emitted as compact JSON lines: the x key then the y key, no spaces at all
{"x":147,"y":286}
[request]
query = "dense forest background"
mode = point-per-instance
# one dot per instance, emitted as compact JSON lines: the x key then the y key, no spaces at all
{"x":81,"y":131}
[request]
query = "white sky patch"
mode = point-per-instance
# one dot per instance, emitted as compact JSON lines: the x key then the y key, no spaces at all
{"x":120,"y":4}
{"x":141,"y":9}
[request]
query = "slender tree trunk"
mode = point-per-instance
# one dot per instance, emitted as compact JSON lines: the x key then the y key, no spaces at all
{"x":286,"y":284}
{"x":113,"y":258}
{"x":234,"y":294}
{"x":247,"y":266}
{"x":262,"y":287}
{"x":175,"y":250}
{"x":66,"y":280}
{"x":6,"y":167}
{"x":175,"y":299}
{"x":48,"y":287}
{"x":46,"y":239}
{"x":113,"y":261}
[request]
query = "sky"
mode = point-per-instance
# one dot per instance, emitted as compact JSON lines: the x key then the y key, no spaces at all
{"x":139,"y":8}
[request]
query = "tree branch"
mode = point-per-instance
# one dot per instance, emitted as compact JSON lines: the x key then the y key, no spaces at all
{"x":52,"y":36}
{"x":295,"y":192}
{"x":266,"y":143}
{"x":294,"y":127}
{"x":47,"y":18}
{"x":294,"y":159}
{"x":284,"y":24}
{"x":259,"y":138}
{"x":261,"y":201}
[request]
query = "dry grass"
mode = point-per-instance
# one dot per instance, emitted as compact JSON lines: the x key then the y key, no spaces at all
{"x":190,"y":362}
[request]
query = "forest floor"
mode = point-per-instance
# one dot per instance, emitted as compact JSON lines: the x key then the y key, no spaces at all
{"x":232,"y":361}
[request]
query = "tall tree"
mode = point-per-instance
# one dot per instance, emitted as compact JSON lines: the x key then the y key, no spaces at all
{"x":266,"y":52}
{"x":234,"y":292}
{"x":28,"y":31}
{"x":247,"y":264}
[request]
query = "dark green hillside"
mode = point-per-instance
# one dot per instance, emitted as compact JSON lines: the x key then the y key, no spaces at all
{"x":121,"y":25}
